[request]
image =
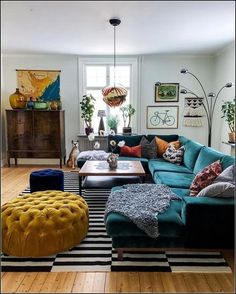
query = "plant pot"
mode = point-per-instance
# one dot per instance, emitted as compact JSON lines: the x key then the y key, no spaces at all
{"x":88,"y":130}
{"x":232,"y":137}
{"x":127,"y":130}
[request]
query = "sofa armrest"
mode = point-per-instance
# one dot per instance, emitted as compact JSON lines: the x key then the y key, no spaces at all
{"x":209,"y":222}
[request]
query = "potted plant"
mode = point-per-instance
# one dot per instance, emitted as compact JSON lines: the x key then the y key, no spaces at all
{"x":228,"y":109}
{"x":127,"y":112}
{"x":87,"y":111}
{"x":112,"y":122}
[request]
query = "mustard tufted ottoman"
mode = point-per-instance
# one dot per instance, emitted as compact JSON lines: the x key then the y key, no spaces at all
{"x":43,"y":223}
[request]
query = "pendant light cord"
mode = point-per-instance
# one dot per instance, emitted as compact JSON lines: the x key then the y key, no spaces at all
{"x":114,"y":56}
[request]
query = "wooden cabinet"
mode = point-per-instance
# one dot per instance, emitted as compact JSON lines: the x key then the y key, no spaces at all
{"x":36,"y":134}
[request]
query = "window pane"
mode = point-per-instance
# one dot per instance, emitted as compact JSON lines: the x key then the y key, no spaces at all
{"x":99,"y":105}
{"x":122,"y":75}
{"x":116,"y":111}
{"x":95,"y":76}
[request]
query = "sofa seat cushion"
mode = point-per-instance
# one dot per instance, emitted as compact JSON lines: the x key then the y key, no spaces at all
{"x":162,"y":165}
{"x":173,"y":179}
{"x":170,"y":223}
{"x":206,"y":156}
{"x":181,"y":192}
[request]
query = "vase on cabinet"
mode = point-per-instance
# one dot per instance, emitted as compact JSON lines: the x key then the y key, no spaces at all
{"x":17,"y":100}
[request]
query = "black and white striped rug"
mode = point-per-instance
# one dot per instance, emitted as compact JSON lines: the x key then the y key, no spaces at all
{"x":95,"y":252}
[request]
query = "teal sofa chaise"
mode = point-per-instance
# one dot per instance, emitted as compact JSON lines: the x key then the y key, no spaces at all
{"x":194,"y":222}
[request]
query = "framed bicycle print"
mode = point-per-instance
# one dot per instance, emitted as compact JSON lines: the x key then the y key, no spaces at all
{"x":166,"y":92}
{"x":162,"y":117}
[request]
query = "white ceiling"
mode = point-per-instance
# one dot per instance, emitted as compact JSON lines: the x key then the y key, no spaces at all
{"x":82,"y":27}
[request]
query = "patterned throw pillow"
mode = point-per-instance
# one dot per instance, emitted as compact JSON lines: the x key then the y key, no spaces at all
{"x":174,"y":155}
{"x":205,"y":177}
{"x":149,"y":149}
{"x":162,"y":145}
{"x":134,"y":151}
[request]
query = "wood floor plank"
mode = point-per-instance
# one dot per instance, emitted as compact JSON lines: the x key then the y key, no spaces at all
{"x":50,"y":284}
{"x":11,"y":281}
{"x":88,"y":283}
{"x":168,"y":282}
{"x":213,"y":283}
{"x":146,"y":280}
{"x":110,"y":285}
{"x":224,"y":282}
{"x":179,"y":283}
{"x":157,"y":284}
{"x":38,"y":282}
{"x":66,"y":281}
{"x":99,"y":283}
{"x":26,"y":283}
{"x":78,"y":284}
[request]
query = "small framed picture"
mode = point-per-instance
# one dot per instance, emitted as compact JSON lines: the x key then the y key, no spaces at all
{"x":162,"y":117}
{"x":166,"y":92}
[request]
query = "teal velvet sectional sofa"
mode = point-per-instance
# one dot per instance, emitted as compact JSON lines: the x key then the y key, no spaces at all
{"x":194,"y":222}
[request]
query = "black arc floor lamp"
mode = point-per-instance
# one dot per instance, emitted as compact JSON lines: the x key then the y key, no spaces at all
{"x":208,"y":103}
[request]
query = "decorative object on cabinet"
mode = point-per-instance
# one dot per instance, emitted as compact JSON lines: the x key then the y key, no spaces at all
{"x":35,"y":134}
{"x":162,"y":117}
{"x":193,"y":112}
{"x":112,"y":122}
{"x":41,"y":105}
{"x":209,"y":100}
{"x":228,"y":110}
{"x":85,"y":144}
{"x":30,"y":103}
{"x":39,"y":84}
{"x":101,"y":114}
{"x":87,"y":111}
{"x":17,"y":100}
{"x":166,"y":92}
{"x":127,"y":112}
{"x":114,"y":95}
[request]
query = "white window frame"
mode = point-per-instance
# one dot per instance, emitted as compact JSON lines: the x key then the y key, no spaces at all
{"x":132,"y":61}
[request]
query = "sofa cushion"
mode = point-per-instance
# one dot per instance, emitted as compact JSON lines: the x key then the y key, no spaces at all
{"x":149,"y":149}
{"x":219,"y":189}
{"x":173,"y":179}
{"x":169,"y":223}
{"x":174,"y":155}
{"x":191,"y":153}
{"x":134,"y":151}
{"x":160,"y":164}
{"x":205,"y":177}
{"x":168,"y":138}
{"x":129,"y":141}
{"x":228,"y":175}
{"x":181,"y":192}
{"x":226,"y":161}
{"x":206,"y":156}
{"x":162,"y":145}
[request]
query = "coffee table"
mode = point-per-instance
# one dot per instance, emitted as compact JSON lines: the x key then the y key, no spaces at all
{"x":101,"y":168}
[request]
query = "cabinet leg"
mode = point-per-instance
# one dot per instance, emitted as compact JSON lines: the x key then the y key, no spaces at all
{"x":60,"y":162}
{"x":15,"y":161}
{"x":64,"y":160}
{"x":8,"y":161}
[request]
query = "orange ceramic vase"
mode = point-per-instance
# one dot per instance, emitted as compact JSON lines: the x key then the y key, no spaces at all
{"x":17,"y":100}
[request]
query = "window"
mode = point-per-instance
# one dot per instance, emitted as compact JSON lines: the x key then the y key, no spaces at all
{"x":97,"y":75}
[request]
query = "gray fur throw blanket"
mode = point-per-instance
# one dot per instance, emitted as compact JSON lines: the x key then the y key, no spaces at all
{"x":141,"y":203}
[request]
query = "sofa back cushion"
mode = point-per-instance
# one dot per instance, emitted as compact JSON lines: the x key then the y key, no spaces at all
{"x":191,"y":153}
{"x":206,"y":156}
{"x":226,"y":161}
{"x":130,"y":141}
{"x":168,"y":138}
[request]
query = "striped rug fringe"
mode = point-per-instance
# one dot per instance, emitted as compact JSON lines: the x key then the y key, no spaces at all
{"x":95,"y":252}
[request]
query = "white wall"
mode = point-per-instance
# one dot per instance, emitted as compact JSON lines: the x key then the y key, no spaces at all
{"x":166,"y":69}
{"x":69,"y":88}
{"x":224,"y":70}
{"x":212,"y":71}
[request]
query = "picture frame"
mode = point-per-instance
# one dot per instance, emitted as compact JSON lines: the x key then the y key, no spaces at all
{"x":167,"y":92}
{"x":162,"y":117}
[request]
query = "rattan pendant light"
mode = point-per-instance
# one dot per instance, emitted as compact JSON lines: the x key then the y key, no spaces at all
{"x":114,"y":95}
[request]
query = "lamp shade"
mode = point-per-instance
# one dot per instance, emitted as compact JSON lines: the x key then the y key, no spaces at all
{"x":101,"y":113}
{"x":114,"y":96}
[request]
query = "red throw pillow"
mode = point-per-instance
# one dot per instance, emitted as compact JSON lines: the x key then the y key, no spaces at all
{"x":205,"y":177}
{"x":134,"y":151}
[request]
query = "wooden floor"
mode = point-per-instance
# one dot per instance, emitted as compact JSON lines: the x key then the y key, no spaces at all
{"x":15,"y":179}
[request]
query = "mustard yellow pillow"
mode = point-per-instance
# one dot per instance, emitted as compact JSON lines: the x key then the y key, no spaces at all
{"x":162,"y":145}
